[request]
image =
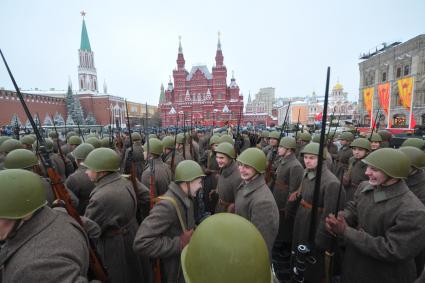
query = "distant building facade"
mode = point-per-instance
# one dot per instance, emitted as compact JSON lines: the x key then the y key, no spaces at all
{"x":392,"y":80}
{"x":200,"y":97}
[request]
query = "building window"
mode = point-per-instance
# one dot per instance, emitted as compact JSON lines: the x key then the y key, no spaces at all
{"x":406,"y":70}
{"x":398,"y":72}
{"x":384,"y":76}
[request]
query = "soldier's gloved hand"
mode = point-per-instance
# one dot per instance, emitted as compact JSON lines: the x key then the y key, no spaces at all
{"x":231,"y":208}
{"x":185,"y":238}
{"x":293,"y":196}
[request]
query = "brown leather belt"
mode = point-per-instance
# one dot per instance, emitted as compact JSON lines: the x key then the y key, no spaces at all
{"x":119,"y":231}
{"x":308,"y":205}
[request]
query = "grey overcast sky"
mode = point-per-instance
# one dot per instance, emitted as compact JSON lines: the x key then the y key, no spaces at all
{"x":283,"y":44}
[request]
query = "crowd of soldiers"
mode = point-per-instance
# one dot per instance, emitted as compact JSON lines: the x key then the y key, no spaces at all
{"x":210,"y":206}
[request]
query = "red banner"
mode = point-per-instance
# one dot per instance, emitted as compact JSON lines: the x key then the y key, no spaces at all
{"x":384,"y":99}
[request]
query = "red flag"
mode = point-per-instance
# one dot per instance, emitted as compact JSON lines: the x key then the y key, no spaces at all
{"x":319,"y":116}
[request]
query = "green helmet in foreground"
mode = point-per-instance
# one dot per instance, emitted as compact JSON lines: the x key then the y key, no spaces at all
{"x":416,"y":142}
{"x":385,"y":135}
{"x":155,"y":146}
{"x":361,"y":143}
{"x":81,"y":151}
{"x":274,"y":135}
{"x":304,"y":136}
{"x":74,"y":140}
{"x":214,"y":140}
{"x":102,"y":159}
{"x":255,"y":158}
{"x":227,"y":149}
{"x":226,"y":248}
{"x":4,"y":138}
{"x":187,"y":171}
{"x":313,"y":148}
{"x":168,"y":142}
{"x":288,"y":142}
{"x":20,"y":159}
{"x":9,"y":145}
{"x":226,"y":138}
{"x":21,"y":193}
{"x":348,"y":136}
{"x":416,"y":156}
{"x":136,"y":137}
{"x":392,"y":162}
{"x":28,"y":140}
{"x":94,"y":141}
{"x":375,"y":138}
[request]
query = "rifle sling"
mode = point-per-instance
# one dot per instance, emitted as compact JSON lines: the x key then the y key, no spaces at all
{"x":179,"y":215}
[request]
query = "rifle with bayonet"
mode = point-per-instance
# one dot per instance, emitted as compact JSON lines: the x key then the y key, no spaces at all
{"x":239,"y":140}
{"x":153,"y":195}
{"x":184,"y":136}
{"x":118,"y":139}
{"x":81,"y":133}
{"x":374,"y":123}
{"x":97,"y":271}
{"x":306,"y":250}
{"x":192,"y":155}
{"x":173,"y":155}
{"x":298,"y":124}
{"x":269,"y":173}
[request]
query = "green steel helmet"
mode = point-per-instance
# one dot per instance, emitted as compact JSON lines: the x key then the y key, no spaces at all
{"x":74,"y":140}
{"x":94,"y":142}
{"x":265,"y":134}
{"x":81,"y":151}
{"x":180,"y":138}
{"x":187,"y":171}
{"x":136,"y":137}
{"x":168,"y":142}
{"x":304,"y":136}
{"x":313,"y":148}
{"x":227,"y":149}
{"x":53,"y":135}
{"x":255,"y":158}
{"x":288,"y":142}
{"x":152,"y":136}
{"x":155,"y":146}
{"x":102,"y":159}
{"x":375,"y":137}
{"x":20,"y":159}
{"x":49,"y":145}
{"x":29,"y":140}
{"x":416,"y":156}
{"x":92,"y":135}
{"x":21,"y":193}
{"x":385,"y":135}
{"x":226,"y":138}
{"x":361,"y":143}
{"x":9,"y":145}
{"x":217,"y":253}
{"x":348,"y":136}
{"x":416,"y":142}
{"x":4,"y":138}
{"x":104,"y":142}
{"x":316,"y":138}
{"x":70,"y":134}
{"x":274,"y":135}
{"x":214,"y":140}
{"x":392,"y":162}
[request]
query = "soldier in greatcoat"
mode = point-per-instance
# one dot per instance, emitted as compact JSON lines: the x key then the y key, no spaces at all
{"x":78,"y":182}
{"x":169,"y":226}
{"x":356,"y":168}
{"x":287,"y":180}
{"x":383,"y":227}
{"x":37,"y":244}
{"x":137,"y":157}
{"x":254,"y":200}
{"x":327,"y":203}
{"x":161,"y":172}
{"x":113,"y":206}
{"x":344,"y":154}
{"x":168,"y":151}
{"x":229,"y":178}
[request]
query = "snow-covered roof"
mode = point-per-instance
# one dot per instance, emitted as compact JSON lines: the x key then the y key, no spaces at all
{"x":202,"y":68}
{"x":172,"y":111}
{"x":51,"y":93}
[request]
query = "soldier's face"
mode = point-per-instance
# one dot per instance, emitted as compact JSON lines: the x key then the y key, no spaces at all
{"x":222,"y":160}
{"x":273,"y":142}
{"x":247,"y":172}
{"x":310,"y":161}
{"x":359,"y":153}
{"x":375,"y":145}
{"x":195,"y":186}
{"x":282,"y":151}
{"x":92,"y":175}
{"x":343,"y":142}
{"x":376,"y":176}
{"x":214,"y":146}
{"x":6,"y":226}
